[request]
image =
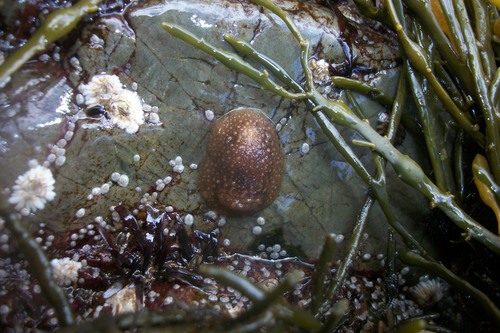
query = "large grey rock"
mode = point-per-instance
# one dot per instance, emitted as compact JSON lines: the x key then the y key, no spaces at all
{"x":320,"y":194}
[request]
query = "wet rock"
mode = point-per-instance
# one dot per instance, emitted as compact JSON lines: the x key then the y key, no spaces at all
{"x":320,"y":193}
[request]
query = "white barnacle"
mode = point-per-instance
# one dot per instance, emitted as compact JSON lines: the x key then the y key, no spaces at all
{"x":188,"y":219}
{"x":257,"y":230}
{"x":123,"y":181}
{"x":79,"y":99}
{"x":60,"y":160}
{"x":305,"y":148}
{"x":221,"y":222}
{"x":80,"y":213}
{"x":105,"y":188}
{"x":154,"y":118}
{"x":209,"y":114}
{"x":33,"y":189}
{"x":177,"y":165}
{"x":96,"y":191}
{"x":65,"y":270}
{"x":115,"y":176}
{"x":126,"y":111}
{"x":179,"y":168}
{"x":339,"y":238}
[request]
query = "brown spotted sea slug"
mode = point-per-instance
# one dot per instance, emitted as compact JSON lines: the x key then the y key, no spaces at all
{"x":243,"y":167}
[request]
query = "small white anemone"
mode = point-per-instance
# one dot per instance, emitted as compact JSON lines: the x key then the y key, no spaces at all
{"x":124,"y":106}
{"x":429,"y":291}
{"x":101,"y":89}
{"x":33,"y":189}
{"x":65,"y":270}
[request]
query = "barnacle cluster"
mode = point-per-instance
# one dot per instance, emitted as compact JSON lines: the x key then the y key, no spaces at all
{"x":123,"y":106}
{"x":320,"y":70}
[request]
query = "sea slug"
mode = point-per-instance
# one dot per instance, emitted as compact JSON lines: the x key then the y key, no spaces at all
{"x":243,"y":167}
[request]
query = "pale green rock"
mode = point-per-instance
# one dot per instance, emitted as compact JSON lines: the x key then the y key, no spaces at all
{"x":320,"y":193}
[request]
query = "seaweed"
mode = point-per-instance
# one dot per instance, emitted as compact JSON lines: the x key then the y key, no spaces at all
{"x":464,"y":60}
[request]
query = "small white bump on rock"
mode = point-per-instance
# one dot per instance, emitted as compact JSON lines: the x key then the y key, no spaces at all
{"x":339,"y":238}
{"x":154,"y":118}
{"x":105,"y":188}
{"x":209,"y":114}
{"x":115,"y":176}
{"x":96,"y":191}
{"x":179,"y":168}
{"x":79,"y":99}
{"x":188,"y":219}
{"x":60,"y":160}
{"x":51,"y":158}
{"x":61,"y":143}
{"x":68,"y":135}
{"x":123,"y":181}
{"x":261,"y":220}
{"x":305,"y":148}
{"x":80,"y":213}
{"x":257,"y":230}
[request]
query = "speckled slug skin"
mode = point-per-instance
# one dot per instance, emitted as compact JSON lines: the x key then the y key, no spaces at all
{"x":242,"y":170}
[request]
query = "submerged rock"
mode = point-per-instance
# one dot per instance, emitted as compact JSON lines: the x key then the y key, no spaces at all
{"x":178,"y":85}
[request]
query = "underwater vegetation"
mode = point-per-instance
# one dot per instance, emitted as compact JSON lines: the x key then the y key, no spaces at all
{"x":129,"y":270}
